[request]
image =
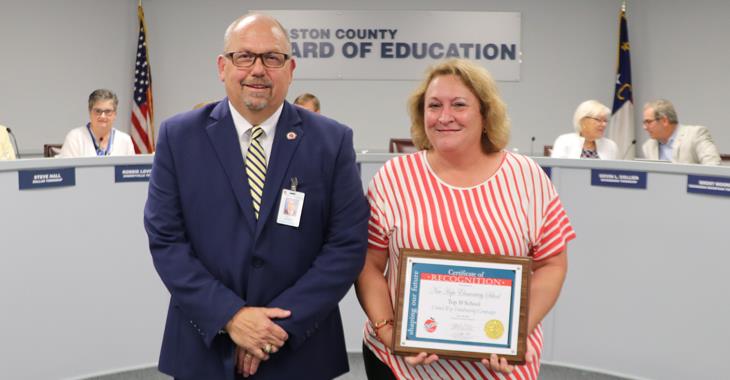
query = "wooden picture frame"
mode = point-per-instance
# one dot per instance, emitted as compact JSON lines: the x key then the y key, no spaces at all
{"x":479,"y":302}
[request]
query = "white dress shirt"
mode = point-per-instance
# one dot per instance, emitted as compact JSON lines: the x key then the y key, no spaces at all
{"x":243,"y":129}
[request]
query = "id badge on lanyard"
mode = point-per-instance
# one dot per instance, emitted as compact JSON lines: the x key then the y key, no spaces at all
{"x":291,"y":205}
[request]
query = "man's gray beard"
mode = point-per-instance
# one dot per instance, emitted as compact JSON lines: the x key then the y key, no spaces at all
{"x":256,"y":106}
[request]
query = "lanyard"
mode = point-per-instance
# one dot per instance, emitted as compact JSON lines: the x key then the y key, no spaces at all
{"x":97,"y":147}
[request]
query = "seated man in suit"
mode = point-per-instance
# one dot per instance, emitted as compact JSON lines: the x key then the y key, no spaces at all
{"x":254,"y":291}
{"x":671,"y":141}
{"x":6,"y":148}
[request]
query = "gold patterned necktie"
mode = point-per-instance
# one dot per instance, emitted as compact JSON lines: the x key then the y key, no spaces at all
{"x":256,"y":168}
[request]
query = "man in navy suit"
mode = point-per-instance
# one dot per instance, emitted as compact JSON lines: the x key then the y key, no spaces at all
{"x":254,"y":290}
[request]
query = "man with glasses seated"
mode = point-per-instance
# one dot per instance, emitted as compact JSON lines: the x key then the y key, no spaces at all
{"x":254,"y":285}
{"x":671,"y":141}
{"x":98,"y":137}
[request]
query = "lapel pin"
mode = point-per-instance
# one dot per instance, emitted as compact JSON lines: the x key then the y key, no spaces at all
{"x":291,"y":136}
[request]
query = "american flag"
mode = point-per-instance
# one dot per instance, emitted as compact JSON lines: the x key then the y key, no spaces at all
{"x":143,"y":129}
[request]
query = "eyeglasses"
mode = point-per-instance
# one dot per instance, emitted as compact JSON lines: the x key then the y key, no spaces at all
{"x":99,"y":112}
{"x":597,"y":119}
{"x":271,"y":60}
{"x":649,"y":121}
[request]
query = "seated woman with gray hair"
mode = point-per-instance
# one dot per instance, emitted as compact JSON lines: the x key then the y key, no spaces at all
{"x":98,"y":137}
{"x":590,"y":121}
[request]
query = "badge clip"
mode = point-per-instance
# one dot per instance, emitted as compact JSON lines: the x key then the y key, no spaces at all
{"x":293,"y":183}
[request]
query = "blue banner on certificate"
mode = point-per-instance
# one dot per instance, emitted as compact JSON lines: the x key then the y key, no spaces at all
{"x":703,"y":184}
{"x":43,"y":178}
{"x":462,"y":305}
{"x":618,"y":178}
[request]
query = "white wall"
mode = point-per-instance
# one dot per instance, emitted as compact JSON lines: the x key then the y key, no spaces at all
{"x":55,"y":53}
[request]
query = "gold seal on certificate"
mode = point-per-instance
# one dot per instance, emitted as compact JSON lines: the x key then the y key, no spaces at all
{"x":494,"y":329}
{"x":462,"y":305}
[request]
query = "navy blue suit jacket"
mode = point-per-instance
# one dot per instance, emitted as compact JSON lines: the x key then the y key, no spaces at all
{"x":215,"y":258}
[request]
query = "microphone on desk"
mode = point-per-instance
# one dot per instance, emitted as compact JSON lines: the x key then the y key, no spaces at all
{"x":532,"y":146}
{"x":15,"y":142}
{"x":633,"y":142}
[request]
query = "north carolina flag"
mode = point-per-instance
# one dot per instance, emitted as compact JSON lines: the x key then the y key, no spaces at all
{"x":143,"y":129}
{"x":621,"y":130}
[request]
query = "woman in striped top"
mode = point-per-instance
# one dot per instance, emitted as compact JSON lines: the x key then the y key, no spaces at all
{"x":462,"y":192}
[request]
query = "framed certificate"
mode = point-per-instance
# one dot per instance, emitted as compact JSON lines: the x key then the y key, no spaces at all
{"x":463,"y":306}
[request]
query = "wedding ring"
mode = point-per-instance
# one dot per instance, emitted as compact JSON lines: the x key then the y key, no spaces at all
{"x":267,"y":348}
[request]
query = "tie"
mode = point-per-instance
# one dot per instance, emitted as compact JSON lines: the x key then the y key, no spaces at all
{"x":256,"y":168}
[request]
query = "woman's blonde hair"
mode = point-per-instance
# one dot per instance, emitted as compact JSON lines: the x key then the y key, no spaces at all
{"x":495,"y":122}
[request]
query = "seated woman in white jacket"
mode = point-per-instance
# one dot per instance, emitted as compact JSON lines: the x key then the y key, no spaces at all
{"x":590,"y":121}
{"x":98,"y":137}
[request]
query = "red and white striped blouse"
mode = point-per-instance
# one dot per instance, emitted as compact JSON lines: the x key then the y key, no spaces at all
{"x":516,"y":212}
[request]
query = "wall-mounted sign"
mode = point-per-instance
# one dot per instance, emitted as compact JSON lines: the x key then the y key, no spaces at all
{"x":400,"y":45}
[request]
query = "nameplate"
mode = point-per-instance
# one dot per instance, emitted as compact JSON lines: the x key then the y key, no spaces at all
{"x":42,"y":178}
{"x":132,"y":173}
{"x":702,"y":184}
{"x":548,"y":170}
{"x":618,"y":178}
